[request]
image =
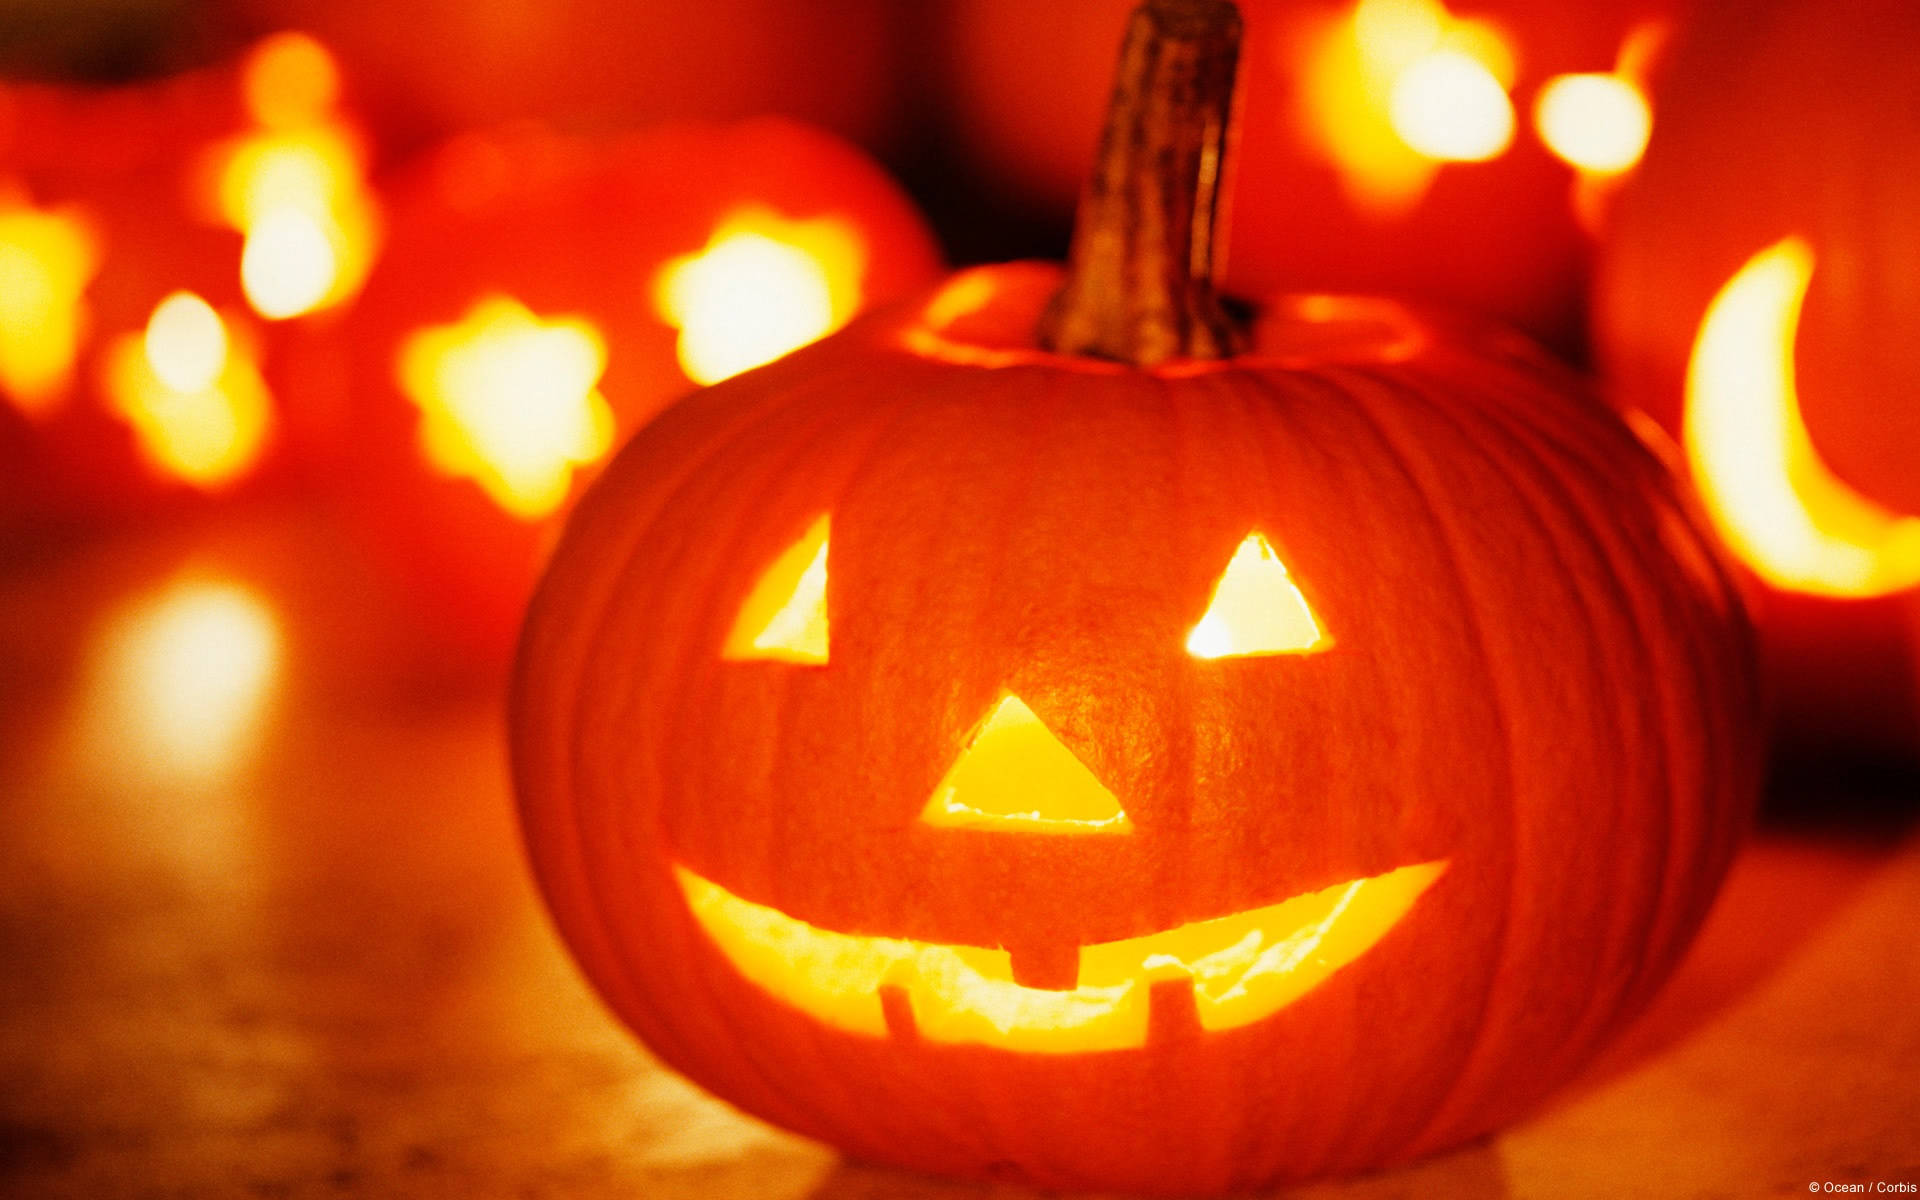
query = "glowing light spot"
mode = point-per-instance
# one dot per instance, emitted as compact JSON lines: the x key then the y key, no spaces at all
{"x":1243,"y":967}
{"x":1395,"y":88}
{"x":186,"y":345}
{"x":295,"y":187}
{"x":1016,"y":776}
{"x":1597,"y":122}
{"x":509,"y":401}
{"x":762,"y":288}
{"x":185,"y":676}
{"x":288,"y":265}
{"x":1775,"y":502}
{"x":1448,"y":106}
{"x":47,"y":259}
{"x":199,"y":409}
{"x":961,"y":297}
{"x":785,"y":616}
{"x":289,"y":79}
{"x":311,"y":229}
{"x":1256,"y":609}
{"x":1397,"y":31}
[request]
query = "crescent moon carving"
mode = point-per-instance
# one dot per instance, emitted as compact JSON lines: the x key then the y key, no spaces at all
{"x":1778,"y":506}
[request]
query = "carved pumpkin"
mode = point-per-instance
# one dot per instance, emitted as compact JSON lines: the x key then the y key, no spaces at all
{"x":132,"y":223}
{"x":1767,"y":334}
{"x":1452,"y":197}
{"x":1149,"y":757}
{"x":543,"y":297}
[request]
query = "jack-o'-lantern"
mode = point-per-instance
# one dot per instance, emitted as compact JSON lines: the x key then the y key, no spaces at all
{"x":433,"y":67}
{"x":1143,"y":754}
{"x":543,"y":296}
{"x":132,"y":339}
{"x":1767,"y":334}
{"x":1451,"y":152}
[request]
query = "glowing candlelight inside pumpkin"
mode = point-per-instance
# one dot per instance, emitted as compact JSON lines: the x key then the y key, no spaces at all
{"x":47,"y":258}
{"x":1398,"y":88}
{"x":1244,"y":967}
{"x":509,"y":401}
{"x":1784,"y":513}
{"x":762,"y":287}
{"x":296,"y":188}
{"x":199,"y":410}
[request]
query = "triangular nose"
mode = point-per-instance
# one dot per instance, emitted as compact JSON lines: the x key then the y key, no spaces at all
{"x":1015,"y":776}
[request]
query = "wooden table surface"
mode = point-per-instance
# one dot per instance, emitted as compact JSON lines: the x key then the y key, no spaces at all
{"x":265,"y":931}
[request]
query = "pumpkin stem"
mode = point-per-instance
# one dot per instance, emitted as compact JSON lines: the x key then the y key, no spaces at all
{"x":1140,"y":273}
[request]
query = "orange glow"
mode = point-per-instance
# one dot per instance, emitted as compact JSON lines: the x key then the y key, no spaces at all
{"x":761,"y":288}
{"x":1776,"y":504}
{"x":311,"y":227}
{"x":1256,"y":609}
{"x":47,"y":258}
{"x":296,"y":188}
{"x":785,"y":616}
{"x":509,"y":401}
{"x":290,"y":79}
{"x":183,"y":679}
{"x":1243,"y":967}
{"x":960,"y":297}
{"x":1399,"y":87}
{"x":1016,"y":776}
{"x":199,"y":409}
{"x":1599,"y":123}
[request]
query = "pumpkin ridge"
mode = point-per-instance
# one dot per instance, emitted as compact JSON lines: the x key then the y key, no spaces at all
{"x":1672,"y":502}
{"x":1671,"y":923}
{"x":668,"y":496}
{"x":827,"y":428}
{"x":1368,"y":402}
{"x":573,"y":697}
{"x":1526,"y":471}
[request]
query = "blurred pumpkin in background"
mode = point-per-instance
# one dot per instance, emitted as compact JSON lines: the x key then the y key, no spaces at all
{"x":1448,"y":152}
{"x":148,"y":233}
{"x":543,"y":296}
{"x":1759,"y":292}
{"x":438,"y":66}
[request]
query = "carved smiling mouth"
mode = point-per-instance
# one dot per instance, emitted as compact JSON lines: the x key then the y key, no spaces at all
{"x":1242,"y":968}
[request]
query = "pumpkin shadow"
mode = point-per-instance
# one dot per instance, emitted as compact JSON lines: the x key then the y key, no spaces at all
{"x":1783,"y":891}
{"x":1473,"y":1170}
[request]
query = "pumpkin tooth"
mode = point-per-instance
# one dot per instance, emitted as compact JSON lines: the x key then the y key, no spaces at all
{"x":1173,"y":1013}
{"x":896,"y":1008}
{"x":1050,"y":965}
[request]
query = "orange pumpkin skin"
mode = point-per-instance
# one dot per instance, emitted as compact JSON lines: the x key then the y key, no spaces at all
{"x":1499,"y":237}
{"x":1538,"y":674}
{"x":1805,"y":117}
{"x":570,"y":229}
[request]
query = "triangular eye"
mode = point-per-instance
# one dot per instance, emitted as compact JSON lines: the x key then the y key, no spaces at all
{"x":784,"y":618}
{"x":1256,"y":609}
{"x":1016,"y":776}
